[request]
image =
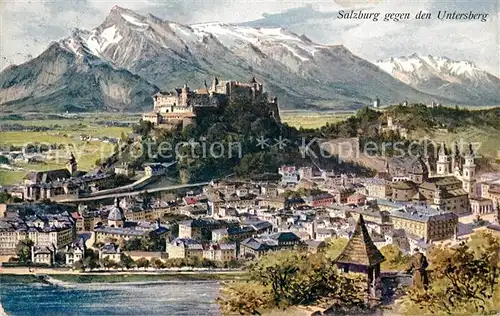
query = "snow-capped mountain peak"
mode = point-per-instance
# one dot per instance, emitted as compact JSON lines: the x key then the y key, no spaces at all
{"x":146,"y":53}
{"x":443,"y":76}
{"x":416,"y":68}
{"x":234,"y":36}
{"x":130,"y":33}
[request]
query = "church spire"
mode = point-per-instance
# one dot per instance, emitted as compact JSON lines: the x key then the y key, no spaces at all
{"x":471,"y":150}
{"x":442,"y":149}
{"x":71,"y":165}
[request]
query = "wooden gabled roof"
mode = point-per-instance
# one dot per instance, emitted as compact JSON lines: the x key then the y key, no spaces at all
{"x":360,"y":249}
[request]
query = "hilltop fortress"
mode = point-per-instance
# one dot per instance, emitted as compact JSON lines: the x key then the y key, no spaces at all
{"x":182,"y":106}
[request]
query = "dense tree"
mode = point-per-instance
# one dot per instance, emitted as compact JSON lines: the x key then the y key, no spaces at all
{"x":79,"y":265}
{"x":126,"y":261}
{"x":143,"y":128}
{"x":157,"y":263}
{"x":235,"y":129}
{"x":107,"y":263}
{"x":464,"y":280}
{"x":91,"y":260}
{"x":5,"y":197}
{"x":23,"y":250}
{"x":287,"y":278}
{"x":395,"y":259}
{"x":142,"y":263}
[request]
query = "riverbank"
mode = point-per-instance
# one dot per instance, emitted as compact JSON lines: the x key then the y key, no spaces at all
{"x":71,"y":276}
{"x":2,"y":311}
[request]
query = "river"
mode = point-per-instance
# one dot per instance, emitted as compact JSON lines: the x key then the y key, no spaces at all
{"x":127,"y":298}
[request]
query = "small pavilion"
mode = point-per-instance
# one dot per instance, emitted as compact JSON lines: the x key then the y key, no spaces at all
{"x":360,"y":255}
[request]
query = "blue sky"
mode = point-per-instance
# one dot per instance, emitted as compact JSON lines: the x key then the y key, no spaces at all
{"x":28,"y":26}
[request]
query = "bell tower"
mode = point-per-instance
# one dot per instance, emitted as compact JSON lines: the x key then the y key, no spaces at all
{"x":71,"y":165}
{"x":456,"y":161}
{"x":468,"y":172}
{"x":443,"y":163}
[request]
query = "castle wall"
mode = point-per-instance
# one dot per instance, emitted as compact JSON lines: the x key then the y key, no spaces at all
{"x":166,"y":101}
{"x":185,"y":102}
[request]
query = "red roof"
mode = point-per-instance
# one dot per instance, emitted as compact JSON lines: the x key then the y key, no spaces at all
{"x":75,"y":215}
{"x":190,"y":200}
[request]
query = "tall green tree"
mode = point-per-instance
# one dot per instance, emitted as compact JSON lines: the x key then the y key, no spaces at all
{"x":465,"y":280}
{"x":126,"y":261}
{"x":142,"y":263}
{"x":288,"y":278}
{"x":395,"y":259}
{"x":23,"y":250}
{"x":107,"y":263}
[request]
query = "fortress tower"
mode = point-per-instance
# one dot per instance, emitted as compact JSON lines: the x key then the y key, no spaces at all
{"x":185,"y":96}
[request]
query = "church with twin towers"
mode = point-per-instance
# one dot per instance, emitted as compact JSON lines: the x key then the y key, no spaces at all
{"x":463,"y":167}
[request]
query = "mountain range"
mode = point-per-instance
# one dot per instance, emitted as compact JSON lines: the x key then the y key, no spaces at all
{"x":118,"y":65}
{"x":442,"y":76}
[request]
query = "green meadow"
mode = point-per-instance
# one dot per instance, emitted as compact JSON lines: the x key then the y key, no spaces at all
{"x":311,"y":120}
{"x":65,"y":132}
{"x":487,"y":137}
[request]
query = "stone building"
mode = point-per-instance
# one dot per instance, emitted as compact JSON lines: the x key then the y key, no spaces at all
{"x":42,"y":255}
{"x":425,"y":222}
{"x":255,"y":247}
{"x":59,"y":183}
{"x":111,"y":251}
{"x":394,"y":127}
{"x":184,"y":248}
{"x":481,"y":206}
{"x":12,"y":231}
{"x":75,"y":252}
{"x":458,"y":164}
{"x":182,"y":106}
{"x":446,"y":192}
{"x":86,"y":219}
